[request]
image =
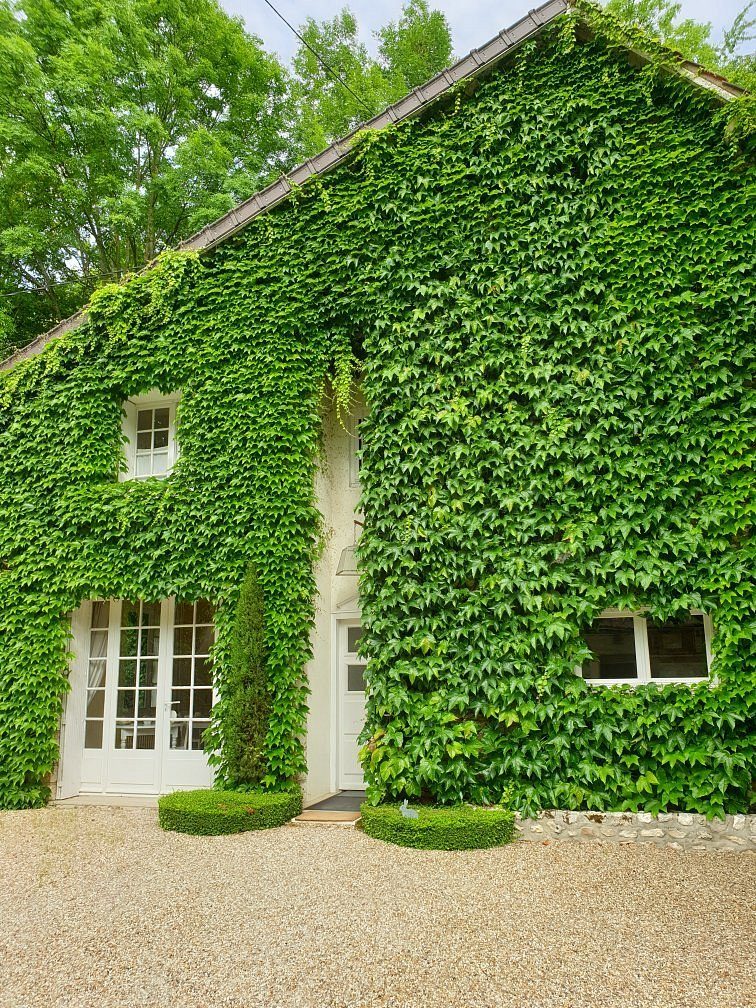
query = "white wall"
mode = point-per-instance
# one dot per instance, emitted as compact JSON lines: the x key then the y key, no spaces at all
{"x":337,"y":501}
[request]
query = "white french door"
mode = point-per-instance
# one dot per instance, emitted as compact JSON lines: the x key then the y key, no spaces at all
{"x":351,"y":706}
{"x":140,"y":700}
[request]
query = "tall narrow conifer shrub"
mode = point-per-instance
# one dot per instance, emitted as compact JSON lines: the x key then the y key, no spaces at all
{"x":247,"y":707}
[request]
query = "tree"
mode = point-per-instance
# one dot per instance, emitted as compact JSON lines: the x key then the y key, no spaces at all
{"x":125,"y":125}
{"x":246,"y":701}
{"x":409,"y":53}
{"x":661,"y":18}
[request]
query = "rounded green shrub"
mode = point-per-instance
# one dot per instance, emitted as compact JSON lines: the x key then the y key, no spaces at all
{"x":458,"y":827}
{"x":210,"y":812}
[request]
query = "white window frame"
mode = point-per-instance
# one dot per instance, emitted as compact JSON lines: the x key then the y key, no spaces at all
{"x":642,"y":654}
{"x":154,"y":399}
{"x":355,"y":451}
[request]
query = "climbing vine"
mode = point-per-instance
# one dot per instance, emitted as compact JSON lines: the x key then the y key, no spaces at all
{"x":549,"y":284}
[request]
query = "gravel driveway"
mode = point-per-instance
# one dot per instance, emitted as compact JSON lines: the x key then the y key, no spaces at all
{"x":100,"y":908}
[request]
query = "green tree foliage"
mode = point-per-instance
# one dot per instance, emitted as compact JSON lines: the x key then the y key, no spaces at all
{"x":241,"y":717}
{"x":661,"y":19}
{"x":125,"y":125}
{"x":410,"y":51}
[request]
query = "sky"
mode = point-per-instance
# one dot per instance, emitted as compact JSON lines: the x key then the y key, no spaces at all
{"x":472,"y":22}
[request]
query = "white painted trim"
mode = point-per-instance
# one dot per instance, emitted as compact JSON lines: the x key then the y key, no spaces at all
{"x":154,"y":399}
{"x":642,"y":654}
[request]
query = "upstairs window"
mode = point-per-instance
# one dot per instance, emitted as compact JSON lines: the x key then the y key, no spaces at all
{"x":630,"y":648}
{"x":150,"y":428}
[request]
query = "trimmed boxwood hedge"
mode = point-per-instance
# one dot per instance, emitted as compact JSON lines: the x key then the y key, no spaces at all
{"x":211,"y":812}
{"x":458,"y":827}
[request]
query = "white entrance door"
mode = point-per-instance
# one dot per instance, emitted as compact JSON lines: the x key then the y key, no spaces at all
{"x":142,"y":692}
{"x":351,"y":706}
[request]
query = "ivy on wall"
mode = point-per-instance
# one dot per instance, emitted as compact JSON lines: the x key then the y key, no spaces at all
{"x":550,"y":283}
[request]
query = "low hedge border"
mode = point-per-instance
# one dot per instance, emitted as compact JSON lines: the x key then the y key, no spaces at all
{"x":457,"y":827}
{"x":212,"y":812}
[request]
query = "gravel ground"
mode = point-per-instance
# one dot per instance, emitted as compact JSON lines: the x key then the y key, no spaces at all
{"x":100,"y":908}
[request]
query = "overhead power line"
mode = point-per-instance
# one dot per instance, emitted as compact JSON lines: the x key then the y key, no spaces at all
{"x":324,"y":63}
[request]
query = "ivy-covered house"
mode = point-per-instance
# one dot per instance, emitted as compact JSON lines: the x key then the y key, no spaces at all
{"x":493,"y":350}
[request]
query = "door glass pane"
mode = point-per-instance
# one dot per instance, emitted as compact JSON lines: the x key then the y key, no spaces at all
{"x":147,"y":703}
{"x":130,"y":614}
{"x":98,"y":644}
{"x":145,"y":735}
{"x":95,"y":703}
{"x":97,"y":670}
{"x":203,"y":672}
{"x":198,"y":727}
{"x":129,"y":643}
{"x":354,"y":633}
{"x":125,"y":703}
{"x":180,"y":701}
{"x":203,"y":702}
{"x":612,"y":642}
{"x":205,"y":612}
{"x":148,"y":672}
{"x":150,"y":641}
{"x":678,"y":650}
{"x":179,"y":734}
{"x":124,"y":735}
{"x":182,"y":671}
{"x":356,"y":678}
{"x":184,"y":613}
{"x":93,"y":735}
{"x":127,"y":672}
{"x":182,"y":640}
{"x":151,"y":614}
{"x":204,"y":640}
{"x":100,"y":614}
{"x":192,"y":693}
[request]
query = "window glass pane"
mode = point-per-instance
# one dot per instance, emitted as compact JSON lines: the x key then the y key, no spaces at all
{"x":127,"y":669}
{"x":159,"y":463}
{"x":161,"y":417}
{"x":184,"y":613}
{"x":612,"y":642}
{"x":143,"y":465}
{"x":179,"y":734}
{"x":678,"y":650}
{"x":203,"y":672}
{"x":197,"y":729}
{"x":160,"y":439}
{"x":96,"y":673}
{"x":100,"y":614}
{"x":95,"y":703}
{"x":144,"y":440}
{"x":93,"y":735}
{"x":125,"y":703}
{"x":182,"y":671}
{"x":182,"y":641}
{"x":204,"y":611}
{"x":203,"y":702}
{"x":354,"y":633}
{"x":355,"y":678}
{"x":144,"y":419}
{"x":204,"y":640}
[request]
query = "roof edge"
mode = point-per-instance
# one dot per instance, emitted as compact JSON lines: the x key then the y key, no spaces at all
{"x":475,"y":63}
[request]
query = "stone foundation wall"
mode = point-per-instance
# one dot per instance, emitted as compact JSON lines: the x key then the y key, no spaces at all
{"x":679,"y":830}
